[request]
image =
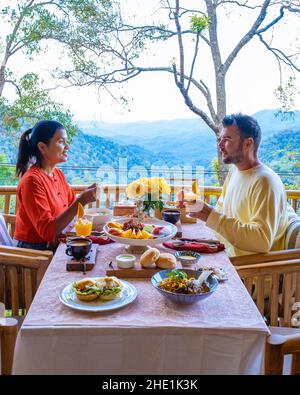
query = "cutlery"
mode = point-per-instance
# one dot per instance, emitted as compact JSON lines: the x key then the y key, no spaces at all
{"x":218,"y":272}
{"x":209,"y":241}
{"x":203,"y":276}
{"x":110,"y":265}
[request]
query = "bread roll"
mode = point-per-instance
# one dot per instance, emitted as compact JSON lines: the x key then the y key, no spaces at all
{"x":149,"y":257}
{"x":87,"y":298}
{"x":166,"y":261}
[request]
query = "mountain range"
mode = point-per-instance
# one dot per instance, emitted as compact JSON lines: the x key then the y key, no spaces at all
{"x":163,"y":143}
{"x":188,"y":139}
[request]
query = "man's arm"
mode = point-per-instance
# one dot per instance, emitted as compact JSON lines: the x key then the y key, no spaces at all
{"x":257,"y":235}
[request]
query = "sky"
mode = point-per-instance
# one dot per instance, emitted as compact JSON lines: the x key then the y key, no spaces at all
{"x":153,"y":96}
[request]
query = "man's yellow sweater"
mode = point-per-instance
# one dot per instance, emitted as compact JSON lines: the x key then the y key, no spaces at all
{"x":250,"y":216}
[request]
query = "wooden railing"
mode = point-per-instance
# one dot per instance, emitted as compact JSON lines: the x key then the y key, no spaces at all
{"x":114,"y":193}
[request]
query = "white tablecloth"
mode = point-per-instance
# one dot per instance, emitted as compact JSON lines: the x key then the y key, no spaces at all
{"x":222,"y":334}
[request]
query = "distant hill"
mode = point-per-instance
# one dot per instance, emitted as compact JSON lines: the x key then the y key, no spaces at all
{"x":170,"y":143}
{"x":94,"y":152}
{"x":189,"y":139}
{"x":282,"y":153}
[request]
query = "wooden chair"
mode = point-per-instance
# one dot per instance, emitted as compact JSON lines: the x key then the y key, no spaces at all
{"x":272,"y":256}
{"x":8,"y":335}
{"x":21,"y":271}
{"x":284,"y":339}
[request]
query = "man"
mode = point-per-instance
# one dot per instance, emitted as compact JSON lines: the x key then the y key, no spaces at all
{"x":250,"y":216}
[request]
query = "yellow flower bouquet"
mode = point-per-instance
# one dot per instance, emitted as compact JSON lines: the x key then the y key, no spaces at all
{"x":148,"y":192}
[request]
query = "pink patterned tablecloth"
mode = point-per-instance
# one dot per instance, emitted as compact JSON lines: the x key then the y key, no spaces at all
{"x":228,"y":308}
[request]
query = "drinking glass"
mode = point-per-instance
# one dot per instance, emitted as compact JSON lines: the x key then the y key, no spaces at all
{"x":84,"y":225}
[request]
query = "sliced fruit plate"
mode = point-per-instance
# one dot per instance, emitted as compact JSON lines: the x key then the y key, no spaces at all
{"x":134,"y":232}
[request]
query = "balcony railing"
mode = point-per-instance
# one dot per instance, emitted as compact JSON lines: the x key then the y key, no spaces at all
{"x":114,"y":193}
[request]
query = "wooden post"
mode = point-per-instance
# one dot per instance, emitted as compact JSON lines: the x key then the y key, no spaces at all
{"x":274,"y":356}
{"x":8,"y":332}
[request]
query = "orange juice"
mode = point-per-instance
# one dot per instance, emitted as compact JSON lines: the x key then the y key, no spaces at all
{"x":83,"y":227}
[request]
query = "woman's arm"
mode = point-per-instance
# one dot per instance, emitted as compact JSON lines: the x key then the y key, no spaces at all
{"x":87,"y":196}
{"x":40,"y":213}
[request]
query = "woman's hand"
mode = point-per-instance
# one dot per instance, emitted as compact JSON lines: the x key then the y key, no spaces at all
{"x":89,"y":195}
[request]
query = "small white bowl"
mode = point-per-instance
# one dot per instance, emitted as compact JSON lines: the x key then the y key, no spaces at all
{"x":125,"y":261}
{"x":187,"y":258}
{"x":100,"y":216}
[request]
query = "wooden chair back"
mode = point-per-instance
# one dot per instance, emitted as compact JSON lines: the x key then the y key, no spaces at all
{"x":284,"y":291}
{"x":20,"y":276}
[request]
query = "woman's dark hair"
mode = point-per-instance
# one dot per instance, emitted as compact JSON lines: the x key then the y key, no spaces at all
{"x":248,"y":126}
{"x":28,"y":147}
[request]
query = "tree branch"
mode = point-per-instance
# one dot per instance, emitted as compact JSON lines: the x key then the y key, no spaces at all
{"x":180,"y":44}
{"x":280,"y":55}
{"x":248,"y":36}
{"x":15,"y":85}
{"x":238,"y":3}
{"x":193,"y":61}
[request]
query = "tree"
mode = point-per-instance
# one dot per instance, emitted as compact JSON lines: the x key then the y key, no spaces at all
{"x":108,"y":53}
{"x":29,"y":22}
{"x":7,"y":173}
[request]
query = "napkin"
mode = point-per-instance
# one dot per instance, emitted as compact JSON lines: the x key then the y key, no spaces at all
{"x":100,"y":239}
{"x":195,"y":246}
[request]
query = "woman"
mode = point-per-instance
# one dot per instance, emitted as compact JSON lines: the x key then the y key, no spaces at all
{"x":45,"y":202}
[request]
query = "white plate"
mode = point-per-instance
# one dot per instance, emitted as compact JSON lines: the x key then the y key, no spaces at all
{"x":68,"y":297}
{"x":172,"y":230}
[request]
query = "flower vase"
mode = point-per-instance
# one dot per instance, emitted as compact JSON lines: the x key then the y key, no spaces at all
{"x":150,"y":212}
{"x":140,"y":209}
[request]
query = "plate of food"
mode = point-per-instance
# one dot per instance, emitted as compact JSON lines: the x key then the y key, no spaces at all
{"x":140,"y":233}
{"x":98,"y":294}
{"x":185,"y":285}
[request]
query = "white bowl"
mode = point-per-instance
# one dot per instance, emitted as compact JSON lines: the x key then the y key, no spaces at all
{"x":100,"y":216}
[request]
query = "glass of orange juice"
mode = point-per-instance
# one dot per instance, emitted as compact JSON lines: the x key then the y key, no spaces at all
{"x":84,"y":225}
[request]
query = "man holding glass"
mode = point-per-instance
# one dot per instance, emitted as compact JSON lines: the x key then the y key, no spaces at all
{"x":250,"y":215}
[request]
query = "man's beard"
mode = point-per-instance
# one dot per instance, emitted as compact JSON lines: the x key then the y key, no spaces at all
{"x":237,"y":157}
{"x":233,"y":159}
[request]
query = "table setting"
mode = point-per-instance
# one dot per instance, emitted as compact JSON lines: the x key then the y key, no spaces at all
{"x":192,"y":304}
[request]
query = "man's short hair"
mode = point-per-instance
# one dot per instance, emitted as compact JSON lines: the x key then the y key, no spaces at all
{"x":248,"y":126}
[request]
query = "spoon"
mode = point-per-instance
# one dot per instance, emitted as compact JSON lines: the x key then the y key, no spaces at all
{"x":203,"y":276}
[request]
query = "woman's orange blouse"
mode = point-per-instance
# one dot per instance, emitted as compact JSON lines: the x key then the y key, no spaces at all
{"x":40,"y":200}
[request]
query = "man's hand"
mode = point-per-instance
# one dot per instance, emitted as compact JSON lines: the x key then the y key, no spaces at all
{"x":200,"y":210}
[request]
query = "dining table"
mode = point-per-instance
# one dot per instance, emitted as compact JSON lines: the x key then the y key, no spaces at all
{"x":221,"y":334}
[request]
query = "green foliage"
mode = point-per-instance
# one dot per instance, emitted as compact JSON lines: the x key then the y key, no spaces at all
{"x":7,"y":173}
{"x":286,"y":95}
{"x":199,"y":23}
{"x":153,"y":204}
{"x":7,"y":177}
{"x":35,"y":22}
{"x":31,"y":22}
{"x":32,"y":105}
{"x":215,"y":166}
{"x":281,"y":153}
